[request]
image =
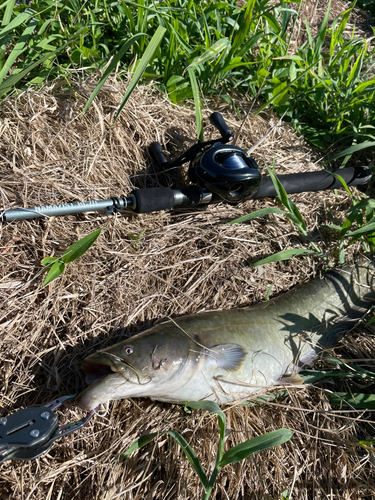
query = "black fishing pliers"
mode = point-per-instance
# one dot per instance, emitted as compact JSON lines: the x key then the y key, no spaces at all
{"x":30,"y":432}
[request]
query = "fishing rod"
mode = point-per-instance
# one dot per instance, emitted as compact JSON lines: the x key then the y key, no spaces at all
{"x":217,"y":172}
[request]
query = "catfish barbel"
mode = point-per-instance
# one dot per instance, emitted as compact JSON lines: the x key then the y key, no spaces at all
{"x":225,"y":356}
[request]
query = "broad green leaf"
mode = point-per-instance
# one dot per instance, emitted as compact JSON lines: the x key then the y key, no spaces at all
{"x":284,"y":255}
{"x":191,"y":456}
{"x":138,"y":443}
{"x":212,"y":407}
{"x":197,"y":103}
{"x":352,"y":400}
{"x":80,"y":247}
{"x":111,"y":67}
{"x":258,"y":213}
{"x":243,"y":450}
{"x":55,"y":271}
{"x":142,"y":65}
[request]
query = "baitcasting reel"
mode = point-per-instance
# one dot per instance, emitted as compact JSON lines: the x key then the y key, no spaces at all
{"x":225,"y":171}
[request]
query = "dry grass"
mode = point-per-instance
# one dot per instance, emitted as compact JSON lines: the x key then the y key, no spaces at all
{"x":187,"y":261}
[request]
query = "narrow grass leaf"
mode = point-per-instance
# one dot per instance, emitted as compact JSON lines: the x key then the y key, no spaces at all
{"x":352,"y":149}
{"x":111,"y":66}
{"x":18,"y":48}
{"x":56,"y":270}
{"x":142,"y":65}
{"x":258,"y":213}
{"x":210,"y":406}
{"x":80,"y":247}
{"x":284,"y":255}
{"x":197,"y":103}
{"x":21,"y":18}
{"x":267,"y":297}
{"x":138,"y":443}
{"x":8,"y":12}
{"x":240,"y":35}
{"x":191,"y":456}
{"x":210,"y":53}
{"x":48,"y":261}
{"x":368,"y":228}
{"x":352,"y":400}
{"x":243,"y":450}
{"x":344,"y":184}
{"x":322,"y":34}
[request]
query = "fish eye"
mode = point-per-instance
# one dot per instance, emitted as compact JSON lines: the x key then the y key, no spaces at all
{"x":128,"y":350}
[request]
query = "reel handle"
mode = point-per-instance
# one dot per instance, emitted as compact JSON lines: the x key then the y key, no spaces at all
{"x":218,"y":122}
{"x":157,"y":155}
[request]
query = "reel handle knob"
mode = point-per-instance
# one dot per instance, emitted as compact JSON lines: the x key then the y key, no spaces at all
{"x":157,"y":155}
{"x":218,"y":122}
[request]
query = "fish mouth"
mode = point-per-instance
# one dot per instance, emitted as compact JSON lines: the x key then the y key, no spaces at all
{"x":103,"y":365}
{"x":95,"y":372}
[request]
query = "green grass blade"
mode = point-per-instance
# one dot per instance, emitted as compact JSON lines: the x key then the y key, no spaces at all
{"x":240,"y":35}
{"x":12,"y":80}
{"x":48,"y":261}
{"x":142,"y":65}
{"x":191,"y":456}
{"x":80,"y":247}
{"x":212,"y":407}
{"x":210,"y":53}
{"x":258,"y":213}
{"x":357,"y":66}
{"x":322,"y":34}
{"x":243,"y":450}
{"x":111,"y":66}
{"x":55,"y":271}
{"x":138,"y":443}
{"x":368,"y":228}
{"x":18,"y":48}
{"x":8,"y":12}
{"x":197,"y":103}
{"x":352,"y":149}
{"x":284,"y":255}
{"x":352,"y":400}
{"x":21,"y":18}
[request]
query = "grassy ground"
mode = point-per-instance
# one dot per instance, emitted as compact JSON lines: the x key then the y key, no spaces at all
{"x":187,"y":261}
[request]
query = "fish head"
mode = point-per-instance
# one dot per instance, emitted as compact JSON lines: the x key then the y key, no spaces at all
{"x":137,"y":367}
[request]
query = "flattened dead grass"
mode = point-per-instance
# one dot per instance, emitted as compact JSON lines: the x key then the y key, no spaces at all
{"x":187,"y":261}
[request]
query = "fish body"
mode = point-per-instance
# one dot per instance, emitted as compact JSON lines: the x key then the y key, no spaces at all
{"x":225,"y":356}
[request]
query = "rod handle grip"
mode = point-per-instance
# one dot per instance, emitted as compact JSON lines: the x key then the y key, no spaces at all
{"x":153,"y":199}
{"x":314,"y":181}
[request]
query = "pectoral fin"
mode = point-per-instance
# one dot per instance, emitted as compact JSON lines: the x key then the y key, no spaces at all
{"x":229,"y":357}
